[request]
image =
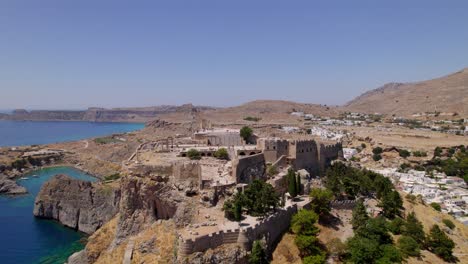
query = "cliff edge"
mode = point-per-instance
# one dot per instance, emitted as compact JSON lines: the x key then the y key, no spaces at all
{"x":80,"y":205}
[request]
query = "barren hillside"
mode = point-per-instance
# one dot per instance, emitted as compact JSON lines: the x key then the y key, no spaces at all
{"x":268,"y":110}
{"x":448,"y":94}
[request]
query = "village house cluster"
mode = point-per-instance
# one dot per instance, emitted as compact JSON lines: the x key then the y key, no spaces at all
{"x":449,"y":192}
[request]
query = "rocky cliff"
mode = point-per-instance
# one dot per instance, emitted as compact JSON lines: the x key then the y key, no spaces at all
{"x":145,"y":200}
{"x":8,"y":186}
{"x":80,"y":205}
{"x":138,"y":115}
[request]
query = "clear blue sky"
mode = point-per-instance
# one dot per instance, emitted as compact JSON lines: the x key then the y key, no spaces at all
{"x":75,"y":54}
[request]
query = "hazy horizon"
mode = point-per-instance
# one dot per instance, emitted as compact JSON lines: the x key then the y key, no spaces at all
{"x":74,"y":55}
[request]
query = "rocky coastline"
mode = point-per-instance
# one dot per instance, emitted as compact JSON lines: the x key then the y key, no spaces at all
{"x":77,"y":204}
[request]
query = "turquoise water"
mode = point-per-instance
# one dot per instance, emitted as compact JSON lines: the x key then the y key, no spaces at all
{"x":20,"y":133}
{"x":26,"y":239}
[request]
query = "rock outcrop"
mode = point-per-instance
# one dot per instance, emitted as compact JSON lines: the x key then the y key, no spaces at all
{"x":80,"y":205}
{"x":226,"y":254}
{"x":8,"y":186}
{"x":145,"y":200}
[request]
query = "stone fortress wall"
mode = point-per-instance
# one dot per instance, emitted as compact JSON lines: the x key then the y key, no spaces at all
{"x":246,"y":169}
{"x":301,"y":154}
{"x":270,"y":228}
{"x":328,"y":153}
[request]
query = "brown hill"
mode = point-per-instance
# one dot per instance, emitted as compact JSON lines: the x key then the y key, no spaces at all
{"x":448,"y":94}
{"x":270,"y":111}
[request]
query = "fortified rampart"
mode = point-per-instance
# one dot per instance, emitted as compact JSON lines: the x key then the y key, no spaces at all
{"x":301,"y":154}
{"x":271,"y":228}
{"x":328,"y":153}
{"x":249,"y":168}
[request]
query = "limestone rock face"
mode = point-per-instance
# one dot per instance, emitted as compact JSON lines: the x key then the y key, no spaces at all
{"x":81,"y":205}
{"x":8,"y":186}
{"x":79,"y":257}
{"x":227,"y":254}
{"x":145,"y":200}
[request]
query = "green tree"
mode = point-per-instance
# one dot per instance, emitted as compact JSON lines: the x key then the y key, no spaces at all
{"x":436,"y":206}
{"x":222,"y":154}
{"x":258,"y":255}
{"x":308,"y":245}
{"x":360,"y":215}
{"x":396,"y":225}
{"x":320,"y":200}
{"x":298,"y":184}
{"x":303,"y":223}
{"x":237,"y":210}
{"x":363,"y":250}
{"x":391,"y":204}
{"x":440,"y":244}
{"x":448,"y":223}
{"x":390,"y":254}
{"x":414,"y":228}
{"x":375,"y":229}
{"x":245,"y":133}
{"x":377,"y":150}
{"x":292,"y":185}
{"x":408,"y":246}
{"x":260,"y":198}
{"x":193,"y":154}
{"x":404,"y":153}
{"x":316,"y":259}
{"x":376,"y":157}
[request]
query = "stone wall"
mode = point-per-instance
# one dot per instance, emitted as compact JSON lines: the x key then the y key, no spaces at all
{"x":246,"y":169}
{"x":328,"y":153}
{"x":271,"y":228}
{"x":189,"y":170}
{"x":305,"y":154}
{"x":273,"y":148}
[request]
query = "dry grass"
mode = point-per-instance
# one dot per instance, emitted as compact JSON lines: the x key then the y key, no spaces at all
{"x":429,"y":217}
{"x":286,"y":251}
{"x":101,"y":239}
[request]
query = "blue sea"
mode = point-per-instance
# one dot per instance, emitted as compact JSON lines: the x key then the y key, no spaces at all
{"x":19,"y":133}
{"x":26,"y":239}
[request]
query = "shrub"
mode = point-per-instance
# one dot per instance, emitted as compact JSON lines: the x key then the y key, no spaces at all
{"x":377,"y":150}
{"x":360,"y":215}
{"x":317,"y":259}
{"x":363,"y":145}
{"x":258,"y":255}
{"x":222,"y":153}
{"x":253,"y":119}
{"x":420,"y":154}
{"x":112,"y":177}
{"x":376,"y":157}
{"x":404,"y":166}
{"x":272,"y":170}
{"x":437,"y":152}
{"x":411,"y":198}
{"x":448,"y":223}
{"x":193,"y":154}
{"x":245,"y":133}
{"x":436,"y":206}
{"x":404,"y":153}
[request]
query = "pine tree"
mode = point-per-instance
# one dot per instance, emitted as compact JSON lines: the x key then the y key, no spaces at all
{"x":440,"y":244}
{"x":237,"y":211}
{"x":414,"y":228}
{"x":258,"y":255}
{"x":359,"y":215}
{"x":292,"y":186}
{"x":298,"y":183}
